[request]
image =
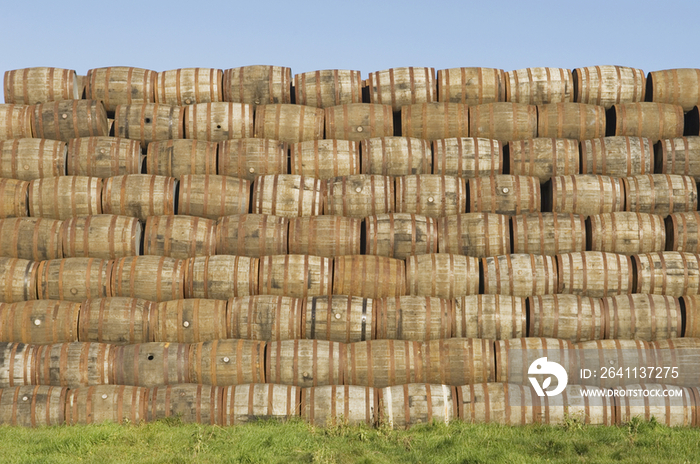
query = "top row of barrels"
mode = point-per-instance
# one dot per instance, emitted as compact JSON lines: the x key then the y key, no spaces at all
{"x":262,"y":85}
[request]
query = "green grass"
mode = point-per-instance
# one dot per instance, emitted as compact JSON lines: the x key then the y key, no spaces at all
{"x":297,"y":442}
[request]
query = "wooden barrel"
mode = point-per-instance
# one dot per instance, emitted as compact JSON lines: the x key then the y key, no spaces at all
{"x":227,"y":362}
{"x":14,"y":198}
{"x":359,"y":195}
{"x":569,"y":317}
{"x":324,"y":159}
{"x":305,"y":363}
{"x":358,"y":121}
{"x":288,"y":195}
{"x":543,"y":158}
{"x":457,"y":361}
{"x":264,"y":317}
{"x":33,"y":406}
{"x":188,"y":86}
{"x":217,"y":121}
{"x":662,"y":194}
{"x":258,"y":85}
{"x":248,"y":158}
{"x":419,"y":318}
{"x":504,"y":194}
{"x":259,"y":401}
{"x":177,"y":158}
{"x":511,"y":404}
{"x":594,"y":407}
{"x":500,"y":403}
{"x":289,"y":123}
{"x":496,"y":317}
{"x":620,"y":156}
{"x":691,"y":318}
{"x":106,"y":404}
{"x":627,"y":233}
{"x":402,"y":86}
{"x":149,"y":122}
{"x":399,"y":235}
{"x":221,"y":277}
{"x":474,"y":234}
{"x":682,"y":353}
{"x":68,"y":119}
{"x":442,"y":275}
{"x":585,"y":194}
{"x":548,"y":233}
{"x":105,"y":236}
{"x":121,"y":85}
{"x":471,"y":86}
{"x":330,"y":87}
{"x":295,"y":275}
{"x":679,"y":155}
{"x":467,"y":157}
{"x":212,"y":196}
{"x":16,"y":121}
{"x":74,"y":279}
{"x":643,"y":317}
{"x":537,"y":86}
{"x":115,"y":320}
{"x":18,"y":279}
{"x":431,"y":195}
{"x":134,"y":276}
{"x":667,"y":404}
{"x":503,"y":121}
{"x":434,"y":121}
{"x":35,"y":239}
{"x":17,"y":364}
{"x":683,"y":232}
{"x":29,"y":159}
{"x":325,"y":235}
{"x":667,"y":273}
{"x":577,"y":121}
{"x":151,"y":364}
{"x":519,"y":275}
{"x":514,"y":357}
{"x":653,"y":120}
{"x":39,"y":322}
{"x":179,"y":236}
{"x":188,"y":321}
{"x":369,"y":276}
{"x":73,"y":365}
{"x":417,"y":403}
{"x":252,"y":235}
{"x":679,"y":86}
{"x":65,"y":196}
{"x":607,"y":85}
{"x":139,"y":195}
{"x":29,"y":86}
{"x":103,"y":157}
{"x":334,"y":405}
{"x":614,"y":363}
{"x":338,"y":318}
{"x":383,"y":363}
{"x":595,"y":274}
{"x":188,"y":403}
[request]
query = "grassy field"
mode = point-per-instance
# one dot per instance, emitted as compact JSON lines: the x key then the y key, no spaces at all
{"x":292,"y":442}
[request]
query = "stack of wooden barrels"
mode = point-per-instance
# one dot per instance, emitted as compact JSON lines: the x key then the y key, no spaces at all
{"x":397,"y":250}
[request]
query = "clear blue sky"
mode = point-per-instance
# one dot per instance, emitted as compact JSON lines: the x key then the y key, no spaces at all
{"x":359,"y":35}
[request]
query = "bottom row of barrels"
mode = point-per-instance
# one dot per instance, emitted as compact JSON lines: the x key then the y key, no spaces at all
{"x":398,"y":406}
